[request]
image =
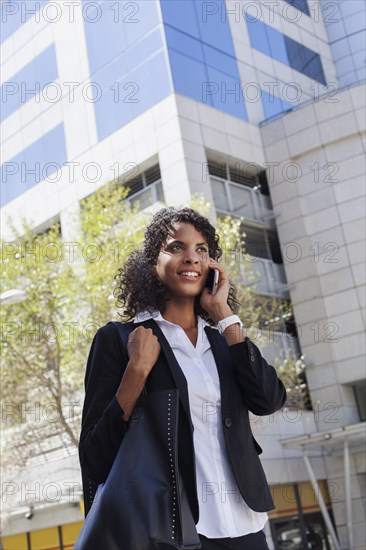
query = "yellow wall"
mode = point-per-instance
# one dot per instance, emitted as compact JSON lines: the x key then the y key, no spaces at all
{"x":285,"y":499}
{"x":15,"y":542}
{"x":44,"y":539}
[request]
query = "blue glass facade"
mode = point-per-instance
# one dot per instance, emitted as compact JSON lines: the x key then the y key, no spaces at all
{"x":301,"y":5}
{"x":16,"y":12}
{"x":138,"y":53}
{"x":127,"y":60}
{"x":304,"y":60}
{"x":131,"y":69}
{"x":202,"y":56}
{"x":35,"y":163}
{"x":28,"y":82}
{"x":273,"y":43}
{"x":273,"y":106}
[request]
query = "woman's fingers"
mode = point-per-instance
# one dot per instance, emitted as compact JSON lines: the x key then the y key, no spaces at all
{"x":143,"y":346}
{"x":223,"y":278}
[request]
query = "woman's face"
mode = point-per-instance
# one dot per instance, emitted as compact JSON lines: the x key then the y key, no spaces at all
{"x":183,"y":261}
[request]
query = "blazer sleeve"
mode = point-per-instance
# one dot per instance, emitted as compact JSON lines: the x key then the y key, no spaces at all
{"x":263,"y":392}
{"x":103,"y":426}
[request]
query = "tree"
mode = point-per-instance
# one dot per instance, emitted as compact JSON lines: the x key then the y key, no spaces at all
{"x":46,"y":338}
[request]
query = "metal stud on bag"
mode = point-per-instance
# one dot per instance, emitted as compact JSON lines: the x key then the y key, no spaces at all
{"x":171,"y":467}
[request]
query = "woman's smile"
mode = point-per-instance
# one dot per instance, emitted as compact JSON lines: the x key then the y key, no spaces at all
{"x":190,"y":275}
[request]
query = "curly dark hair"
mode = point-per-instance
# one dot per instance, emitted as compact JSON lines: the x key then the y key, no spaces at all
{"x":138,"y":286}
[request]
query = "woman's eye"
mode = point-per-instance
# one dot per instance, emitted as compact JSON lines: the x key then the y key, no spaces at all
{"x":202,"y":249}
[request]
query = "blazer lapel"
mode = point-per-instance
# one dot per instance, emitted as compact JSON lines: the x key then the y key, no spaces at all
{"x":222,"y":358}
{"x":224,"y":365}
{"x":176,"y":371}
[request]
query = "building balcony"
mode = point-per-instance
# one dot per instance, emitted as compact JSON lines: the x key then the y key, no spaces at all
{"x":279,"y":345}
{"x":239,"y":200}
{"x":147,"y":196}
{"x":269,"y":277}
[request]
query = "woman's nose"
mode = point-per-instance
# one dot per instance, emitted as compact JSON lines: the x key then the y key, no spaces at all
{"x":191,"y":256}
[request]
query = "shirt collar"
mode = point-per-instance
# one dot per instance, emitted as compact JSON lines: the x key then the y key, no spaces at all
{"x":157,"y":316}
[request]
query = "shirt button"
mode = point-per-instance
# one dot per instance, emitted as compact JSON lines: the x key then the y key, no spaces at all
{"x":227,"y":422}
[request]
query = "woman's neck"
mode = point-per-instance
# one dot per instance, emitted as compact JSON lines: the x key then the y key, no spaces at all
{"x":181,"y":314}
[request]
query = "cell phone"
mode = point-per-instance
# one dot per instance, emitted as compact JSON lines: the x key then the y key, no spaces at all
{"x":213,"y":280}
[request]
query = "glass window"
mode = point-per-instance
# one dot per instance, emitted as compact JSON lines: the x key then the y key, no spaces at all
{"x":219,"y":195}
{"x":228,"y":96}
{"x":116,"y":27}
{"x":301,"y":5}
{"x":360,"y":394}
{"x":29,"y":167}
{"x":273,"y":105}
{"x":277,"y":46}
{"x":282,"y":48}
{"x":297,"y":521}
{"x":125,"y":55}
{"x":131,"y":95}
{"x":14,"y":13}
{"x":219,"y":60}
{"x":304,"y":60}
{"x":189,"y":77}
{"x":140,"y":51}
{"x":28,"y":82}
{"x":257,"y":35}
{"x":242,"y":201}
{"x":214,"y":25}
{"x":103,"y":36}
{"x":184,"y":44}
{"x":201,"y":51}
{"x":181,"y":14}
{"x":136,"y":19}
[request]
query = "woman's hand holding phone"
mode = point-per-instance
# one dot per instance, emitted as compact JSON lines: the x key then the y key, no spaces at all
{"x":216,"y":303}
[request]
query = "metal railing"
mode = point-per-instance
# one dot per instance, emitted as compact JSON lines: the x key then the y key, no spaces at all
{"x":279,"y":344}
{"x":148,"y":195}
{"x":239,"y":200}
{"x":269,"y":277}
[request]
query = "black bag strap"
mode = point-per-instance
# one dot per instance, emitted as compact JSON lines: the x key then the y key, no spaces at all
{"x":124,"y":330}
{"x":89,"y":487}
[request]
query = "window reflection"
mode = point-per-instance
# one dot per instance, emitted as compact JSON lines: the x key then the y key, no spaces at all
{"x":271,"y":42}
{"x":301,"y":5}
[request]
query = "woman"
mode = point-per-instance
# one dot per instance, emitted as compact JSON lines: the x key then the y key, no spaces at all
{"x":221,"y":377}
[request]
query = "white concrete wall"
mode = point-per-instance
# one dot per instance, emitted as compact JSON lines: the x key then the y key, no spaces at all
{"x":318,"y":192}
{"x":344,"y":21}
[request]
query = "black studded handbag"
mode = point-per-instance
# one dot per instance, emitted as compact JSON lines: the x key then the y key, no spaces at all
{"x":143,"y":505}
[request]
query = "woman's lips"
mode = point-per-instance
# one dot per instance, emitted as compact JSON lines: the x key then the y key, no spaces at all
{"x":190,"y":277}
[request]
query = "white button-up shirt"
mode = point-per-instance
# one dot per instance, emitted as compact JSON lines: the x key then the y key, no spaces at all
{"x":222,"y":510}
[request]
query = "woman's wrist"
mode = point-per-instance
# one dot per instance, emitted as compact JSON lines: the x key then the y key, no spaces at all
{"x":220,"y":313}
{"x":234,"y":334}
{"x":231,"y":328}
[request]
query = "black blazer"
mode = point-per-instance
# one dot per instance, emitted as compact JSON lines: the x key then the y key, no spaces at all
{"x":247,"y":383}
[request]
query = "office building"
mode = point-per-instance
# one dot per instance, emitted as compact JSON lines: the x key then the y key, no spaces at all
{"x":259,"y":106}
